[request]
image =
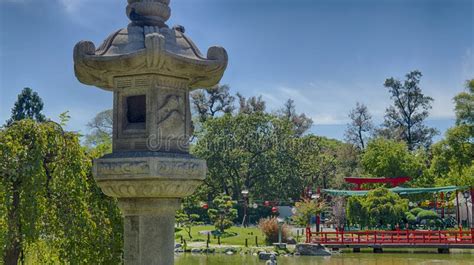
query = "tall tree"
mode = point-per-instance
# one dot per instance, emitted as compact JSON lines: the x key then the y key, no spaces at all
{"x":301,"y":122}
{"x":404,"y":120}
{"x":251,"y":150}
{"x":207,"y":103}
{"x":389,"y":158}
{"x":251,"y":105}
{"x":464,"y":105}
{"x":49,"y":196}
{"x":360,"y":128}
{"x":101,"y":127}
{"x":453,"y":157}
{"x":28,"y":106}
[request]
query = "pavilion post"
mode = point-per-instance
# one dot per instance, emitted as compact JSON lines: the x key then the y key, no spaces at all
{"x":458,"y":214}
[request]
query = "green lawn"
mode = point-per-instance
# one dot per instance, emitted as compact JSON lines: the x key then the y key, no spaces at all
{"x":238,"y":239}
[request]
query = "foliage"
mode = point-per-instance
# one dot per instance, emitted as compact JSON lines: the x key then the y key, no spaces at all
{"x":101,"y":127}
{"x":306,"y":209}
{"x":426,"y":215}
{"x":411,"y":218}
{"x":355,"y":211}
{"x":224,"y":213}
{"x":388,"y":158}
{"x":270,"y":228}
{"x":251,"y":105}
{"x":404,"y":120}
{"x":49,"y":195}
{"x":254,"y":151}
{"x":208,"y":103}
{"x":416,"y":211}
{"x":28,"y":106}
{"x":452,"y":162}
{"x":464,"y":105}
{"x":187,"y":220}
{"x":379,"y":208}
{"x":360,"y":128}
{"x":190,"y":214}
{"x":301,"y":122}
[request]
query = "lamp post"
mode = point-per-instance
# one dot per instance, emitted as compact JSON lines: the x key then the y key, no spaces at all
{"x":458,"y":213}
{"x":280,"y":225}
{"x":318,"y":218}
{"x":466,"y":195}
{"x":245,"y":195}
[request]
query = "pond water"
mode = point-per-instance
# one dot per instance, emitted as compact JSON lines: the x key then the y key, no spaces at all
{"x":458,"y":258}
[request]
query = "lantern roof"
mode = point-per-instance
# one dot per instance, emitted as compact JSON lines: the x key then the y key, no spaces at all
{"x":148,"y":46}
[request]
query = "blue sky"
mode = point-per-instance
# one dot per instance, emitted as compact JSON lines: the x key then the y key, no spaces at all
{"x":324,"y":54}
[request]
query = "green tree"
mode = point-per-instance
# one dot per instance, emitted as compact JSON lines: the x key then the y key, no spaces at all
{"x":465,"y":105}
{"x":356,"y":213}
{"x":453,"y":157}
{"x":28,"y":106}
{"x":452,"y":162}
{"x":224,"y":213}
{"x":301,"y":122}
{"x":49,"y":195}
{"x":305,"y":209}
{"x":190,"y":213}
{"x":388,"y":158}
{"x":251,"y":105}
{"x":251,"y":150}
{"x":404,"y":120}
{"x":379,"y":208}
{"x":101,"y":128}
{"x":187,"y":221}
{"x":210,"y":102}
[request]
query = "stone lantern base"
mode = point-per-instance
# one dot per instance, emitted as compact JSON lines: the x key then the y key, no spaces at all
{"x":149,"y":187}
{"x":149,"y":230}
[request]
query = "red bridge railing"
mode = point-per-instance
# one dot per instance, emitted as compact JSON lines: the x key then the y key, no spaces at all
{"x":399,"y":237}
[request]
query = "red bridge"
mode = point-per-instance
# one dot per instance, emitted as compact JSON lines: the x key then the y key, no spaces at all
{"x":442,"y":240}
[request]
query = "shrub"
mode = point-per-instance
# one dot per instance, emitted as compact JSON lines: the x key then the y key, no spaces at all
{"x":307,"y":208}
{"x":380,"y":208}
{"x":411,"y":218}
{"x":415,"y":211}
{"x":427,"y":215}
{"x":224,"y":213}
{"x":269,"y":227}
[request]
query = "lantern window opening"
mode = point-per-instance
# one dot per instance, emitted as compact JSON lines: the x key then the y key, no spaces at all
{"x":136,"y":111}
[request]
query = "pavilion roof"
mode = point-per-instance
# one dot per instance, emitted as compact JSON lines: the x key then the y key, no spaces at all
{"x":399,"y":190}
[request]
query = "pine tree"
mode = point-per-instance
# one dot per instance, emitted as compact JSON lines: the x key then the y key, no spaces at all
{"x":28,"y":106}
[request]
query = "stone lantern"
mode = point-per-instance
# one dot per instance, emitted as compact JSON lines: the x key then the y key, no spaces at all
{"x":151,"y":69}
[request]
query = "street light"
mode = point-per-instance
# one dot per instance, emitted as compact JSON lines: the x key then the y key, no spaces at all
{"x":245,"y":194}
{"x":316,"y":197}
{"x":466,"y":196}
{"x":280,"y":225}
